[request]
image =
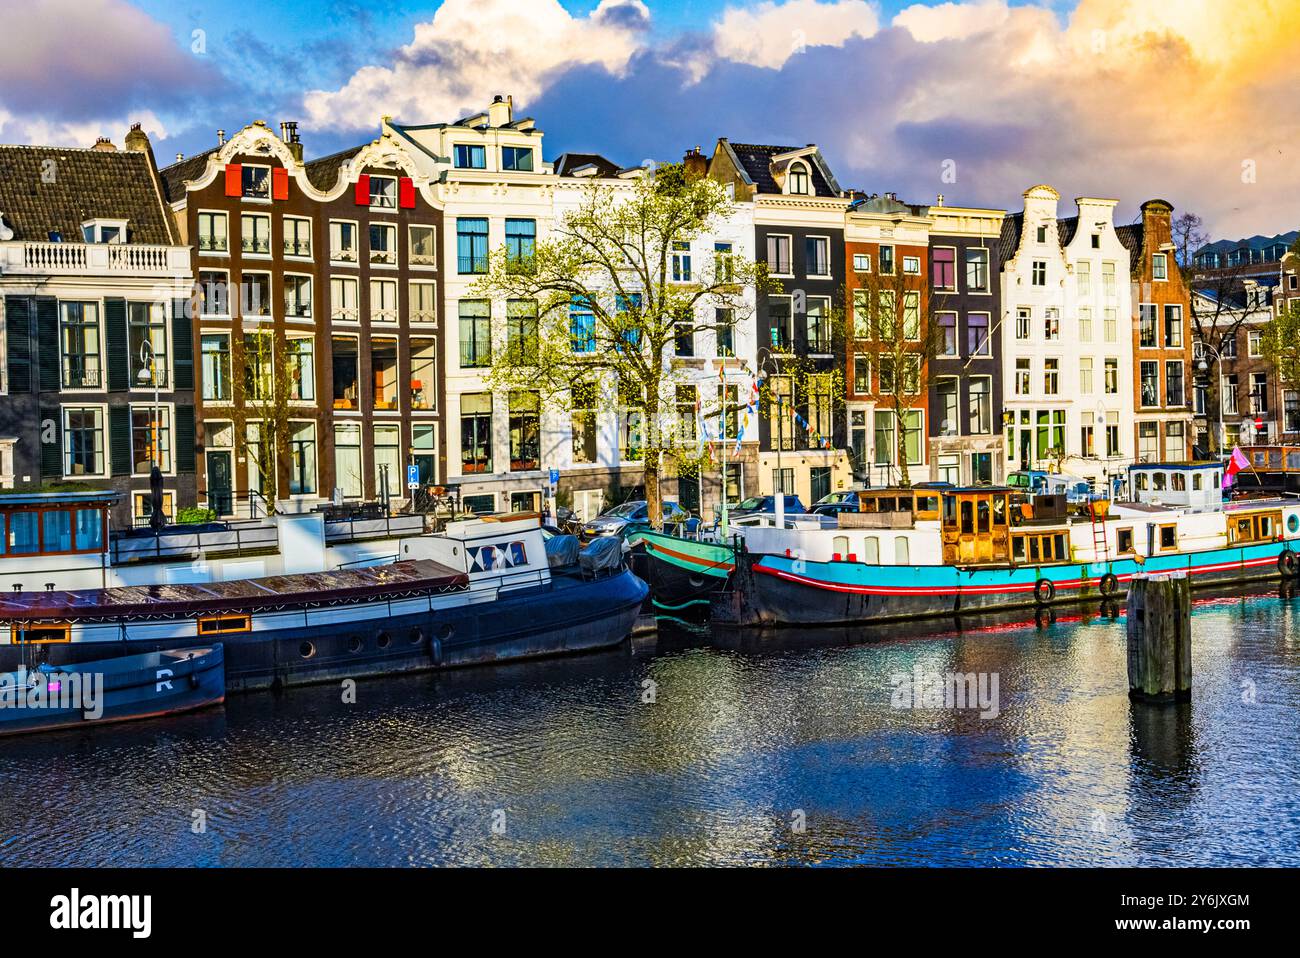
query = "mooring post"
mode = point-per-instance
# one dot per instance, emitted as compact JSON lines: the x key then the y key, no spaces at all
{"x":1160,"y":638}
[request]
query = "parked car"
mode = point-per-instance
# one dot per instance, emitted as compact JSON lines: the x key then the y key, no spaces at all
{"x":636,"y":512}
{"x":833,"y":498}
{"x":766,"y":505}
{"x":835,"y":508}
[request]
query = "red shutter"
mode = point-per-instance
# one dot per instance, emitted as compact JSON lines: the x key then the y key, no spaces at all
{"x":406,"y":193}
{"x":279,"y":183}
{"x":234,"y":179}
{"x":363,"y":190}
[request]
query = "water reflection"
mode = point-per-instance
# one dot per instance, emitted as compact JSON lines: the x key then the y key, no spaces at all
{"x":703,"y":747}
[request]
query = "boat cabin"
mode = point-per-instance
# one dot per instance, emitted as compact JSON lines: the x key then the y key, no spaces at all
{"x":922,"y":503}
{"x":55,"y":524}
{"x":1193,"y":486}
{"x":976,"y":525}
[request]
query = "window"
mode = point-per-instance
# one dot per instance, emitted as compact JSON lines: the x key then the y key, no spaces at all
{"x":1147,"y":326}
{"x":255,"y":294}
{"x":1291,"y":411}
{"x":1228,"y":389}
{"x":212,"y":233}
{"x":83,"y":441}
{"x":1112,"y":433}
{"x":583,"y":421}
{"x":1112,"y":377}
{"x":424,"y":360}
{"x":1254,"y":343}
{"x":79,"y":338}
{"x":297,"y":296}
{"x":297,"y":236}
{"x":977,"y":335}
{"x":383,"y":301}
{"x":821,"y":420}
{"x":948,"y":402}
{"x":1124,"y":541}
{"x":977,"y":270}
{"x":347,"y":459}
{"x":1108,"y":280}
{"x":724,"y":263}
{"x":255,"y":234}
{"x":912,"y":436}
{"x":256,"y":182}
{"x":1085,"y":375}
{"x":780,"y":404}
{"x":150,"y":439}
{"x":947,"y":334}
{"x":521,"y":242}
{"x":631,"y":408}
{"x":214,"y":294}
{"x":884,"y":437}
{"x":470,"y":157}
{"x":383,"y":192}
{"x":778,"y":255}
{"x":424,"y":441}
{"x":819,"y":325}
{"x":475,"y":333}
{"x":1052,"y":323}
{"x":525,"y":431}
{"x":1174,"y":395}
{"x":1040,"y":272}
{"x":887,"y":260}
{"x":1110,"y":326}
{"x":912,"y":265}
{"x":302,"y":368}
{"x":782,"y":323}
{"x":1159,"y":267}
{"x":1087,"y":444}
{"x":383,"y":370}
{"x":681,"y":262}
{"x":389,"y":475}
{"x":343,"y":241}
{"x":724,"y":322}
{"x":943,"y":268}
{"x":347,"y":371}
{"x":1083,"y":277}
{"x":302,"y":458}
{"x":383,"y":244}
{"x":1175,"y":444}
{"x":1051,"y":376}
{"x":1148,"y":442}
{"x":424,"y":302}
{"x":1228,"y":345}
{"x":259,"y":364}
{"x":1258,"y":393}
{"x":798,"y":180}
{"x":1096,"y":241}
{"x":1041,"y":235}
{"x":146,"y":338}
{"x":214,"y":351}
{"x":343,"y":299}
{"x":471,"y":245}
{"x":817,"y":249}
{"x":260,"y":460}
{"x":1023,"y":318}
{"x":684,"y":337}
{"x":862,"y":262}
{"x":1022,"y":377}
{"x":912,"y":316}
{"x":1085,"y":324}
{"x":517,"y":159}
{"x":1150,"y":382}
{"x":521,"y":331}
{"x":423,"y":248}
{"x":582,"y":325}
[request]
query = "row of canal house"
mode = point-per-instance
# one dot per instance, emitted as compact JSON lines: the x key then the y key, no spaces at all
{"x":332,"y":303}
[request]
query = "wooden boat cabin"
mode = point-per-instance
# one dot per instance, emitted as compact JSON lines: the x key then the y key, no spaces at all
{"x":985,"y":525}
{"x":42,"y":533}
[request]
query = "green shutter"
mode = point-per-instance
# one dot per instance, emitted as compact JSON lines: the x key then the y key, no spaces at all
{"x":47,"y":342}
{"x":184,"y":438}
{"x":51,"y":452}
{"x":18,"y":342}
{"x":119,"y":350}
{"x":119,"y":439}
{"x":182,"y":347}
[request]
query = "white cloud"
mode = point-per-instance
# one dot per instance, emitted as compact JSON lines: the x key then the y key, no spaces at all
{"x":768,"y":34}
{"x":77,"y":133}
{"x":952,"y":21}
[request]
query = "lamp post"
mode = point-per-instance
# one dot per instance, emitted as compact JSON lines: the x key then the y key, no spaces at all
{"x":1203,"y":367}
{"x":764,"y":357}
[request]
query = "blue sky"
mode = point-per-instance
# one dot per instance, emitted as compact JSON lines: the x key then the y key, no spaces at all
{"x":1092,"y":96}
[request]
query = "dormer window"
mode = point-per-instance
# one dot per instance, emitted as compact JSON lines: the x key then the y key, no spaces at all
{"x":1042,"y":234}
{"x":797,"y":180}
{"x":383,"y":192}
{"x":518,"y":159}
{"x":470,"y":157}
{"x":104,"y":231}
{"x":255,"y":182}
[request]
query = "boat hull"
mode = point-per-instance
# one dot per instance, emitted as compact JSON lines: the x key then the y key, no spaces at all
{"x":776,"y":590}
{"x":682,"y":573}
{"x":136,"y":686}
{"x":551,"y":619}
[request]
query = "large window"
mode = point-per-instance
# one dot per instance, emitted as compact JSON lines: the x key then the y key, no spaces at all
{"x":948,"y":404}
{"x":778,"y":255}
{"x":1150,"y":382}
{"x":475,"y":433}
{"x":150,"y":439}
{"x":782,"y":323}
{"x":302,"y":368}
{"x":343,"y":299}
{"x":256,"y":181}
{"x":582,"y":325}
{"x":383,"y":301}
{"x":475,"y":333}
{"x":817,"y":249}
{"x":343,"y":241}
{"x":255,"y":294}
{"x":423,"y":248}
{"x":1173,"y":326}
{"x":255,"y":234}
{"x":383,"y":244}
{"x":583,"y":421}
{"x":821,"y":420}
{"x":297,"y":296}
{"x":212,"y":233}
{"x":424,"y":302}
{"x":302,"y":458}
{"x":471,"y":245}
{"x":383,"y":192}
{"x":1147,"y":325}
{"x":147,"y":344}
{"x":977,"y":335}
{"x":681,"y":262}
{"x":383,"y":369}
{"x":521,"y":242}
{"x":297,"y":236}
{"x":424,"y":365}
{"x":943,"y":268}
{"x":819,"y":325}
{"x":215,"y":357}
{"x":1174,"y":394}
{"x":977,"y":271}
{"x":980,"y":405}
{"x":389,"y":474}
{"x":521,"y":331}
{"x":469,"y":156}
{"x":517,"y":159}
{"x":347,"y":459}
{"x":724,"y":323}
{"x":525,"y":430}
{"x":214,"y":290}
{"x":346,"y":364}
{"x":83,"y":441}
{"x":631,"y":413}
{"x":79,"y":336}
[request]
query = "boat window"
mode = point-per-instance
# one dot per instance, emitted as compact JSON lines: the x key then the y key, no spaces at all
{"x":1140,"y":480}
{"x":1177,"y":482}
{"x":1157,"y":481}
{"x":927,"y":504}
{"x":58,"y":531}
{"x":44,"y":632}
{"x":967,"y":517}
{"x":1168,"y":537}
{"x":24,"y":533}
{"x":1196,"y":482}
{"x":999,"y":510}
{"x":221,"y":624}
{"x":949,"y":511}
{"x":902,"y":552}
{"x":871,"y":550}
{"x":983,"y":512}
{"x":1265,"y":527}
{"x":840,"y":545}
{"x":1018,"y":548}
{"x":1125,"y":541}
{"x":1216,"y":480}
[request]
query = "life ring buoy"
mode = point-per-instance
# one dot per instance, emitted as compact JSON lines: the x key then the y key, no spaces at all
{"x":1108,"y":584}
{"x":1044,"y":591}
{"x":1286,"y":563}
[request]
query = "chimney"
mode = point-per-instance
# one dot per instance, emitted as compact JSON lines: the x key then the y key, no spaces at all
{"x":104,"y":145}
{"x":289,"y":134}
{"x":501,"y":111}
{"x":179,"y":157}
{"x":695,"y":164}
{"x":137,"y":141}
{"x":1157,"y":224}
{"x":221,"y":137}
{"x":940,"y":203}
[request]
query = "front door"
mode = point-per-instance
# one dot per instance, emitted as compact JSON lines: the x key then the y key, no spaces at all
{"x":220,"y":487}
{"x":688,"y":493}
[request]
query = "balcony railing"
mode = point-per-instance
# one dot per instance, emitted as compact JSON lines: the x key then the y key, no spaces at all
{"x":94,"y":259}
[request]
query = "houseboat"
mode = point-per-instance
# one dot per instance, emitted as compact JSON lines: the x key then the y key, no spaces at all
{"x":482,"y":592}
{"x":946,"y":551}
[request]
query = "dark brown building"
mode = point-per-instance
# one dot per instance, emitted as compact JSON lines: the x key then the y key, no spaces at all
{"x":316,"y":320}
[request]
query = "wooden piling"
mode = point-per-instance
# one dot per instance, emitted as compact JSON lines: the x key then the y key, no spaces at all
{"x":1160,"y":638}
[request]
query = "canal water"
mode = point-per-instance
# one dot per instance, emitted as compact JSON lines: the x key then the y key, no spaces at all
{"x":697,"y":748}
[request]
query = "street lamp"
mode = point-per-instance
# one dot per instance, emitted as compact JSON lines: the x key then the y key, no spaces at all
{"x":1203,"y":367}
{"x":764,"y":357}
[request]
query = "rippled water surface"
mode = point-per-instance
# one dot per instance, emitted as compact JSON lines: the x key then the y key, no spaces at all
{"x":746,"y":736}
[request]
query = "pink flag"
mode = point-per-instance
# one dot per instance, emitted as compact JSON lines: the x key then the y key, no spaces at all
{"x":1236,"y":463}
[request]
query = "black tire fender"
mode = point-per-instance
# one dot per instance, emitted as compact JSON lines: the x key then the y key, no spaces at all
{"x":1044,"y":591}
{"x":1286,"y":563}
{"x":1108,"y":584}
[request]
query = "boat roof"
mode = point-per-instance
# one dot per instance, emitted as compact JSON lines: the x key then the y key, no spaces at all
{"x":237,"y":595}
{"x":53,"y":499}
